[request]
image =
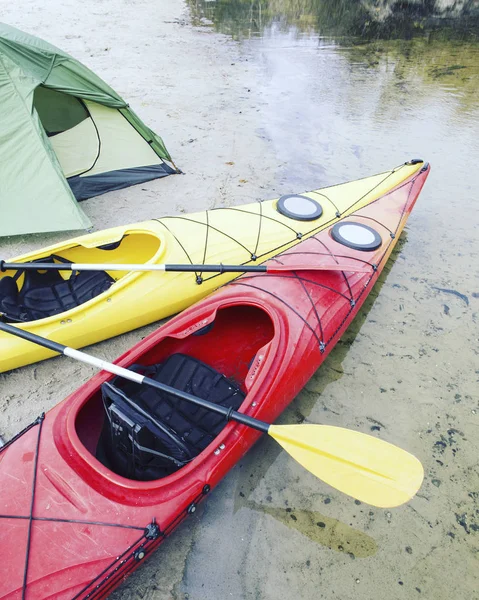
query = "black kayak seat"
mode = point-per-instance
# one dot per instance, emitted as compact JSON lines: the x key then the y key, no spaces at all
{"x":45,"y":293}
{"x":148,"y":434}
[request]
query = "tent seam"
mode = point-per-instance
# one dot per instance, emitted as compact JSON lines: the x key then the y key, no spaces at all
{"x":14,"y":85}
{"x":52,"y":64}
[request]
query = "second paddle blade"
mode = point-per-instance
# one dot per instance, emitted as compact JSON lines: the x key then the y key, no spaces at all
{"x":357,"y":464}
{"x":323,"y":266}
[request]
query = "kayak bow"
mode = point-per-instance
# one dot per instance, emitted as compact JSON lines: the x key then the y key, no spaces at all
{"x":101,"y":484}
{"x":82,"y":308}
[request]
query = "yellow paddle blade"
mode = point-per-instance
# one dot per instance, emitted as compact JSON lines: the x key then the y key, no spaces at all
{"x":357,"y":464}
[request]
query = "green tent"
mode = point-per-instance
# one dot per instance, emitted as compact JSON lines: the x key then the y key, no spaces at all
{"x":65,"y":135}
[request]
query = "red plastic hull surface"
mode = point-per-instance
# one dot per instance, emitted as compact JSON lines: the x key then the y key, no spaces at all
{"x":69,"y":527}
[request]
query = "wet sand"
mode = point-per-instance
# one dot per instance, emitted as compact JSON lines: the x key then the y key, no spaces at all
{"x":253,"y":121}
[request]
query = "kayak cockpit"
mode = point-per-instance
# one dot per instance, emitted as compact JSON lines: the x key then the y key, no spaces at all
{"x":29,"y":295}
{"x":145,"y":434}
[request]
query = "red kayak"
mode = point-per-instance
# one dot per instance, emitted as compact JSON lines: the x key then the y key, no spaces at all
{"x":93,"y":487}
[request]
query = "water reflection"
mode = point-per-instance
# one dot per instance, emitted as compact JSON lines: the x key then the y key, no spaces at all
{"x":334,"y":97}
{"x":244,"y":18}
{"x":406,"y":48}
{"x":338,"y":93}
{"x":447,"y":66}
{"x":328,"y":108}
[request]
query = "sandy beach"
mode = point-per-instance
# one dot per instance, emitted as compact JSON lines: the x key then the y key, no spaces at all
{"x":188,"y":85}
{"x":206,"y":96}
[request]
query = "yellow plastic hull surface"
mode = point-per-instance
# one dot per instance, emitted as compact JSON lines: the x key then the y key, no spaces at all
{"x":245,"y":234}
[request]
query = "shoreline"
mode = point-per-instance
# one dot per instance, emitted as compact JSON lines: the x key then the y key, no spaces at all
{"x":254,"y":120}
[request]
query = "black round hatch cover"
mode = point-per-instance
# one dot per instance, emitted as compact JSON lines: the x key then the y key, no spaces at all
{"x":356,"y":235}
{"x":299,"y":208}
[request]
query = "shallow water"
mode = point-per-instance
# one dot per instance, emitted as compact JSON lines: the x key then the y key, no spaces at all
{"x":314,"y":103}
{"x":334,"y":105}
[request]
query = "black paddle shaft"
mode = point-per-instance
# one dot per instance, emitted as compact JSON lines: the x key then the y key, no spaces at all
{"x":218,"y":268}
{"x":35,"y":266}
{"x":228,"y":413}
{"x":39,"y":266}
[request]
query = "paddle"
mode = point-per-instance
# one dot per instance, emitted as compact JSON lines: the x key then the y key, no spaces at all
{"x":277,"y":268}
{"x":359,"y":465}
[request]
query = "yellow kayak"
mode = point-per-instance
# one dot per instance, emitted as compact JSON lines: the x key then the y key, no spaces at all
{"x":81,"y":308}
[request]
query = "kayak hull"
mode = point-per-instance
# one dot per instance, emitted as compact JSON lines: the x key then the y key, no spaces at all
{"x":246,"y":234}
{"x":269,"y":333}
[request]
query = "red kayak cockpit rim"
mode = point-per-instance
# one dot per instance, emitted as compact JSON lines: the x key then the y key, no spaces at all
{"x":238,"y":337}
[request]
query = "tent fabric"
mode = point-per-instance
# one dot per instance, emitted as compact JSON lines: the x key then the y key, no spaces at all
{"x":34,"y":194}
{"x":58,"y":119}
{"x":86,"y":187}
{"x":77,"y":149}
{"x":121,"y":146}
{"x":102,"y":141}
{"x":58,"y":111}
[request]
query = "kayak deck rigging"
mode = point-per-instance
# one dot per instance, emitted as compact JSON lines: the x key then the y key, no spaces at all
{"x":119,"y":301}
{"x":295,"y":227}
{"x":225,"y":343}
{"x":114,"y":571}
{"x":267,"y":333}
{"x":230,"y":343}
